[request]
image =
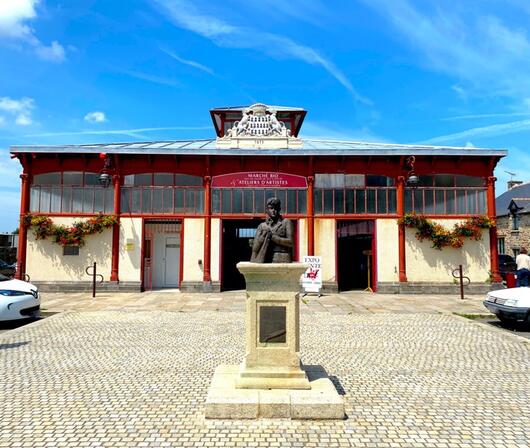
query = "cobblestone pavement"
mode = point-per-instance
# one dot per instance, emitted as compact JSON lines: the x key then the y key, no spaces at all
{"x":341,"y":303}
{"x":118,"y":378}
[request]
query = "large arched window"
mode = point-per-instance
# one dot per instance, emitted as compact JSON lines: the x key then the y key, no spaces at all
{"x":70,"y":192}
{"x":162,"y":193}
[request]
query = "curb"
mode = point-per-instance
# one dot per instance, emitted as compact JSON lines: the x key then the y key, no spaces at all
{"x":490,"y":328}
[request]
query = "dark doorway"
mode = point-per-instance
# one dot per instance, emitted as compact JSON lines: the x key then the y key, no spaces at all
{"x":238,"y":235}
{"x":354,"y":254}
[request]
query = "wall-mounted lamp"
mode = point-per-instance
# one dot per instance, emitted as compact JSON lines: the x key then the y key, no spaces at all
{"x":412,"y":178}
{"x":104,"y":176}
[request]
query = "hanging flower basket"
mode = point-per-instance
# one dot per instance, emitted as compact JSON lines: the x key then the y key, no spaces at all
{"x":440,"y":236}
{"x":74,"y":235}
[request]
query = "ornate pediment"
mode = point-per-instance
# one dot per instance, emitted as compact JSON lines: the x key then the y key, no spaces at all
{"x":258,"y":128}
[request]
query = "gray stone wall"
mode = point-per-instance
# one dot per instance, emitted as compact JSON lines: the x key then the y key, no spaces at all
{"x":514,"y":239}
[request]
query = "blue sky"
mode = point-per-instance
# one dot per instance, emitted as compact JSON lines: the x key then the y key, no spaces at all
{"x":431,"y":71}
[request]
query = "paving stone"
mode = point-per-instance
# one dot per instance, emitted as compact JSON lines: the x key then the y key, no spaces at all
{"x":140,"y":378}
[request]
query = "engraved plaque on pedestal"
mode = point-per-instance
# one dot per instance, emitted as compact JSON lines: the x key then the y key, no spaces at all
{"x":272,"y":324}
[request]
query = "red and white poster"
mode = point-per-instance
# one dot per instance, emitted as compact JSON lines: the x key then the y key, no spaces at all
{"x":259,"y":179}
{"x":312,"y":277}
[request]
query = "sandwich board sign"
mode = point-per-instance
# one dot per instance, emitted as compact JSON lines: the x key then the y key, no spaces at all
{"x":312,"y":277}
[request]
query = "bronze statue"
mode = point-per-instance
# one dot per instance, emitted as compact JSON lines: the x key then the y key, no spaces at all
{"x":273,"y":242}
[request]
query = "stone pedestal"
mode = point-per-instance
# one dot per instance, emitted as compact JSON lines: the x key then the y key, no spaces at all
{"x":272,"y":359}
{"x":271,"y":382}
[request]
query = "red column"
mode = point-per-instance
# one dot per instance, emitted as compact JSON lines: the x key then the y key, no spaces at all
{"x":22,"y":229}
{"x":310,"y":218}
{"x":401,"y":230}
{"x":206,"y":276}
{"x":114,"y":274}
{"x":490,"y":182}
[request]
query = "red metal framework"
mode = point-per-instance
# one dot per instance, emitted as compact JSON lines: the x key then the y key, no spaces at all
{"x":151,"y":227}
{"x":371,"y":226}
{"x":196,"y":165}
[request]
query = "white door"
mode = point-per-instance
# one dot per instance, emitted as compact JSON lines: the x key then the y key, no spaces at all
{"x":166,"y":260}
{"x":171,"y":271}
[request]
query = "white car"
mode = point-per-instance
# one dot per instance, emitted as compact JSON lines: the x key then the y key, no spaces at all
{"x":18,"y":299}
{"x":510,"y":305}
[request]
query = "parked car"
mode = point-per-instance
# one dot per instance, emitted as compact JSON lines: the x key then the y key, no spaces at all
{"x":510,"y":305}
{"x":18,"y":299}
{"x":7,"y":269}
{"x":507,"y":265}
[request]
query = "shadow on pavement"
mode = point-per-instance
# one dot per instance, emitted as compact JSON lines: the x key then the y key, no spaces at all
{"x":519,"y":328}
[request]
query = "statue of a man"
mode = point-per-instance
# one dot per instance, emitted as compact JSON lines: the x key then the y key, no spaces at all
{"x":273,"y":242}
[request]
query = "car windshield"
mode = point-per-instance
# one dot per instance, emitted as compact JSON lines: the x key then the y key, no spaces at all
{"x":3,"y":278}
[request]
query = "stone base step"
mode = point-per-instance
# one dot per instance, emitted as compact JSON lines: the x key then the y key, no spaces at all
{"x":226,"y":401}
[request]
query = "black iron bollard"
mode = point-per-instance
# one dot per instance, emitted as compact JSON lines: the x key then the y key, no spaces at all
{"x":94,"y":274}
{"x":460,"y":276}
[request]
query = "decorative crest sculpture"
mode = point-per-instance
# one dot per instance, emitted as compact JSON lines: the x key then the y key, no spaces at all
{"x":259,"y":127}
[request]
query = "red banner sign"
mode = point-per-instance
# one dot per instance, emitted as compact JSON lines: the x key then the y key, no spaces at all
{"x":259,"y":179}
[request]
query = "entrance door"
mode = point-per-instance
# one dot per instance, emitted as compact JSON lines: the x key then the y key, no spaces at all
{"x":166,"y":260}
{"x":237,"y":246}
{"x":171,"y":268}
{"x":354,"y":249}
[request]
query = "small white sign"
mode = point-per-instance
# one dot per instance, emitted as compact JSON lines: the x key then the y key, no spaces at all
{"x":312,"y":278}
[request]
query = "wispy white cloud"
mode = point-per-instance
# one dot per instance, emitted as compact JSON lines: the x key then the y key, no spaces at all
{"x":479,"y":116}
{"x":96,"y":117}
{"x":189,"y":62}
{"x":14,"y":18}
{"x":20,"y":109}
{"x":314,"y":12}
{"x":478,"y":49}
{"x":483,"y":131}
{"x":55,"y":52}
{"x":129,"y":132}
{"x":185,"y":15}
{"x":153,"y":78}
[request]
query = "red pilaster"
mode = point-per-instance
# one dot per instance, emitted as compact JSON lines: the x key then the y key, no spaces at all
{"x":400,"y":193}
{"x":114,"y":274}
{"x":310,"y":218}
{"x":492,"y":213}
{"x":207,"y":230}
{"x":22,"y":229}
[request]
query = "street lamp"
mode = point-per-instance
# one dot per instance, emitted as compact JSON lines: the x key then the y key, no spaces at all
{"x":104,"y":177}
{"x":413,"y":179}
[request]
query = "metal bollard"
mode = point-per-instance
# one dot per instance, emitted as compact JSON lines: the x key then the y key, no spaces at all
{"x":460,"y":276}
{"x":94,"y":274}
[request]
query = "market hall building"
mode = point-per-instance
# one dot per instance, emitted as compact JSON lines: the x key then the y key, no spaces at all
{"x":187,"y":210}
